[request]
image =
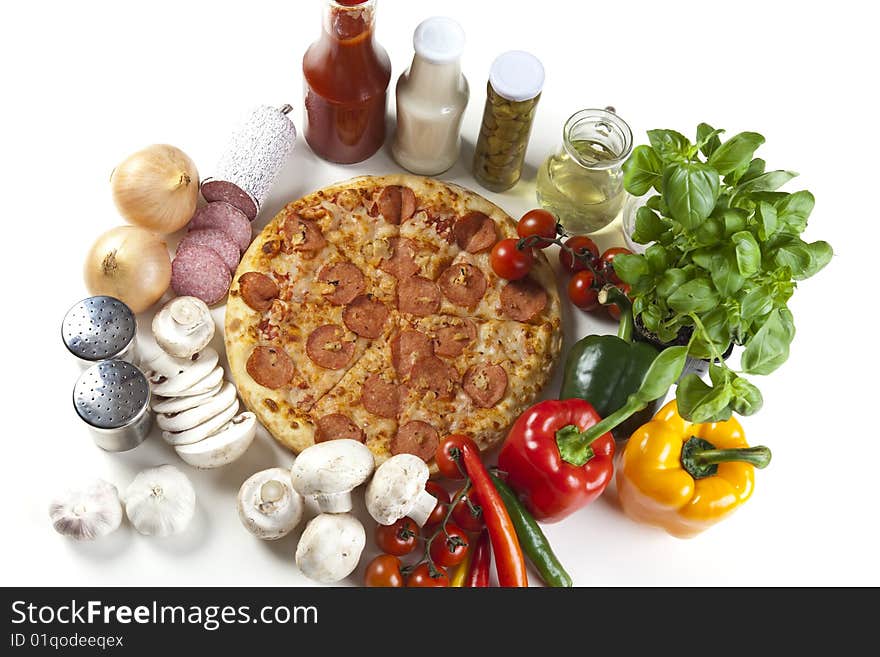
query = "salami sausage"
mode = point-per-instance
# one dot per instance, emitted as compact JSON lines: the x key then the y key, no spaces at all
{"x":221,"y":190}
{"x":418,"y":296}
{"x":337,"y":426}
{"x":430,"y":374}
{"x":463,"y":284}
{"x":257,"y":290}
{"x":346,"y":280}
{"x":475,"y":232}
{"x":396,"y":204}
{"x":223,"y":216}
{"x":485,"y":384}
{"x":271,"y":367}
{"x":401,"y":264}
{"x":365,"y":316}
{"x":327,"y":347}
{"x":380,"y":397}
{"x":301,"y":235}
{"x":451,"y":340}
{"x":416,"y":437}
{"x":523,"y":300}
{"x":198,"y":271}
{"x":217,"y":241}
{"x":406,"y":348}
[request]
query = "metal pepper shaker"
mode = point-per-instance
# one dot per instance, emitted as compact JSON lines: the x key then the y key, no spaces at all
{"x":100,"y":328}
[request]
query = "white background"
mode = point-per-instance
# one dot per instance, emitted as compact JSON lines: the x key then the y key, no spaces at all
{"x":85,"y":84}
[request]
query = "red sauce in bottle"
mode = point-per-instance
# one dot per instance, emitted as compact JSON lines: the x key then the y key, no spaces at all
{"x":346,"y":79}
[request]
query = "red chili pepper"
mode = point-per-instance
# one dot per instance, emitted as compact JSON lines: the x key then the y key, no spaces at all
{"x":478,"y":575}
{"x":553,"y":466}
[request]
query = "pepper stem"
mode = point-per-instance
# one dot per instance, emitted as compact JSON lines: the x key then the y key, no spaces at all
{"x":700,"y":458}
{"x":613,"y":294}
{"x":574,"y":445}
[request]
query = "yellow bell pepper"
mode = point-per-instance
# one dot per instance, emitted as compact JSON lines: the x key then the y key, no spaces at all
{"x":685,"y":477}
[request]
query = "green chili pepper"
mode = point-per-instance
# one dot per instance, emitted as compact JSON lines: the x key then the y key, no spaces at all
{"x":531,"y":538}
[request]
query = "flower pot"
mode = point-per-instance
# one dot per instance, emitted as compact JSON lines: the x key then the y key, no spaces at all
{"x":698,"y":366}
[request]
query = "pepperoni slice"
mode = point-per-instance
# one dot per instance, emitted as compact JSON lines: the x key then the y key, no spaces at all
{"x":451,"y":340}
{"x":366,"y":316}
{"x":430,"y":374}
{"x":337,"y":426}
{"x":217,"y":241}
{"x":396,"y":204}
{"x":327,"y":347}
{"x":198,"y":271}
{"x":463,"y":284}
{"x":401,"y":264}
{"x":346,"y":280}
{"x":271,"y":367}
{"x":418,"y":296}
{"x":416,"y":437}
{"x":257,"y":290}
{"x":380,"y":397}
{"x":485,"y":384}
{"x":302,"y":234}
{"x":523,"y":300}
{"x":406,"y":348}
{"x":475,"y":232}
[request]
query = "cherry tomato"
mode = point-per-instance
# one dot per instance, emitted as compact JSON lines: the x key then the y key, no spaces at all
{"x":421,"y":577}
{"x":437,"y":491}
{"x":398,"y":539}
{"x":384,"y":572}
{"x":537,"y":223}
{"x":580,"y":244}
{"x":450,"y":548}
{"x":510,"y":262}
{"x":446,"y":464}
{"x":612,"y":308}
{"x":608,"y":262}
{"x":437,"y":516}
{"x":464,"y":516}
{"x":581,"y":290}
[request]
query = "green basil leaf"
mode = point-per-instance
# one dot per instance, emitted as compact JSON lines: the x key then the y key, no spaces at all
{"x":735,"y":152}
{"x":690,"y":191}
{"x":696,"y":296}
{"x":630,"y":268}
{"x":649,"y":226}
{"x":716,"y":335}
{"x":795,"y":254}
{"x":735,"y":220}
{"x":756,"y":303}
{"x":726,"y":277}
{"x":719,"y":375}
{"x":769,"y":219}
{"x":768,"y":348}
{"x":670,"y":145}
{"x":710,"y":232}
{"x":657,"y":259}
{"x":747,"y":399}
{"x":753,"y":170}
{"x":670,"y":281}
{"x":698,"y":402}
{"x":656,"y":203}
{"x":794,"y":210}
{"x":642,"y":171}
{"x":766,"y":182}
{"x":707,"y":139}
{"x":748,"y":253}
{"x":662,"y":373}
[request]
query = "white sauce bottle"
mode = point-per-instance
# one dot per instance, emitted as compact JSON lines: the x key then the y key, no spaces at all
{"x":431,"y":98}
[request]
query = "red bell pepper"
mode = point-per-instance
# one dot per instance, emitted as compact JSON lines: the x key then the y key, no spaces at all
{"x":553,"y":462}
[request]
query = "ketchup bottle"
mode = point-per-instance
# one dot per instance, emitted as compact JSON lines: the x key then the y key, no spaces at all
{"x":346,"y":80}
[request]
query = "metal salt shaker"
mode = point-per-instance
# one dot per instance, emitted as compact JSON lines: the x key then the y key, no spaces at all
{"x":100,"y":328}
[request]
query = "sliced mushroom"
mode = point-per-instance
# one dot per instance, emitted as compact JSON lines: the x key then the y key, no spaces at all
{"x":223,"y":447}
{"x":179,"y":404}
{"x":189,"y":373}
{"x":398,"y":490}
{"x":268,"y":505}
{"x":183,"y":326}
{"x":202,"y":431}
{"x":329,"y":471}
{"x":183,"y":420}
{"x":330,"y":547}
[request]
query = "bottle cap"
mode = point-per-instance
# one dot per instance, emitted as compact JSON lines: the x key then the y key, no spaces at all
{"x":439,"y":40}
{"x":517,"y":75}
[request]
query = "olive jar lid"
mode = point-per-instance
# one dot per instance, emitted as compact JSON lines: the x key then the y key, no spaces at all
{"x":517,"y":75}
{"x":439,"y":39}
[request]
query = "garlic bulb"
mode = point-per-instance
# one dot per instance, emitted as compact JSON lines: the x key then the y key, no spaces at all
{"x":87,"y":513}
{"x":160,"y":501}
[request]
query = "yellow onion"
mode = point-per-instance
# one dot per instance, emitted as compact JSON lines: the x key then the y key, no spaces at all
{"x":156,"y":188}
{"x":131,"y":264}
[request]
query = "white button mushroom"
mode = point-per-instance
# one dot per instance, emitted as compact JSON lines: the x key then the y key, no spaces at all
{"x":329,"y":471}
{"x":183,"y":326}
{"x":330,"y":547}
{"x":268,"y":506}
{"x":223,"y":447}
{"x":160,"y":501}
{"x":87,"y":513}
{"x":398,"y":489}
{"x":179,"y":377}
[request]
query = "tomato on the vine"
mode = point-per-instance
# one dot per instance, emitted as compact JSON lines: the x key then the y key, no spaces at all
{"x":399,"y":538}
{"x":468,"y":516}
{"x":440,"y":511}
{"x":608,"y":262}
{"x":537,"y":223}
{"x":449,"y":548}
{"x":612,"y":308}
{"x":421,"y":577}
{"x":581,"y":290}
{"x":509,"y":262}
{"x":444,"y":456}
{"x":384,"y":571}
{"x":437,"y":491}
{"x":581,"y":245}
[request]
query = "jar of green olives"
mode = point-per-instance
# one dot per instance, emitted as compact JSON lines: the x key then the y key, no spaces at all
{"x":515,"y":82}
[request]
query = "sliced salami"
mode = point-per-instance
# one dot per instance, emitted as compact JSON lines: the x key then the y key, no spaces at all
{"x":485,"y":384}
{"x":345,"y":282}
{"x":327,"y":347}
{"x":271,"y":367}
{"x":337,"y":426}
{"x":380,"y":397}
{"x":223,"y":216}
{"x":216,"y":240}
{"x":523,"y":300}
{"x":401,"y":264}
{"x":463,"y":284}
{"x":226,"y":192}
{"x":365,"y":316}
{"x":418,"y":296}
{"x":430,"y":374}
{"x":301,"y":235}
{"x":451,"y":340}
{"x":257,"y":290}
{"x":396,"y":204}
{"x":475,"y":232}
{"x":406,"y":348}
{"x":198,"y":271}
{"x":416,"y":437}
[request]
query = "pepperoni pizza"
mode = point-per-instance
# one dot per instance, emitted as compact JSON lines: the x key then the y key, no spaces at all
{"x":369,"y":310}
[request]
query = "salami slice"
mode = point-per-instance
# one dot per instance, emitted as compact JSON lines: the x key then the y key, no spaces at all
{"x":327,"y":347}
{"x":401,"y":264}
{"x":523,"y":300}
{"x":227,"y":192}
{"x":301,"y":235}
{"x":406,"y":348}
{"x":337,"y":426}
{"x":418,"y":296}
{"x":485,"y":384}
{"x":380,"y":397}
{"x":416,"y":437}
{"x":271,"y":367}
{"x":257,"y":290}
{"x":475,"y":232}
{"x":223,"y":216}
{"x":451,"y":340}
{"x":463,"y":284}
{"x":430,"y":374}
{"x":198,"y":271}
{"x":216,"y":240}
{"x":365,"y":316}
{"x":346,"y":282}
{"x":396,"y":204}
